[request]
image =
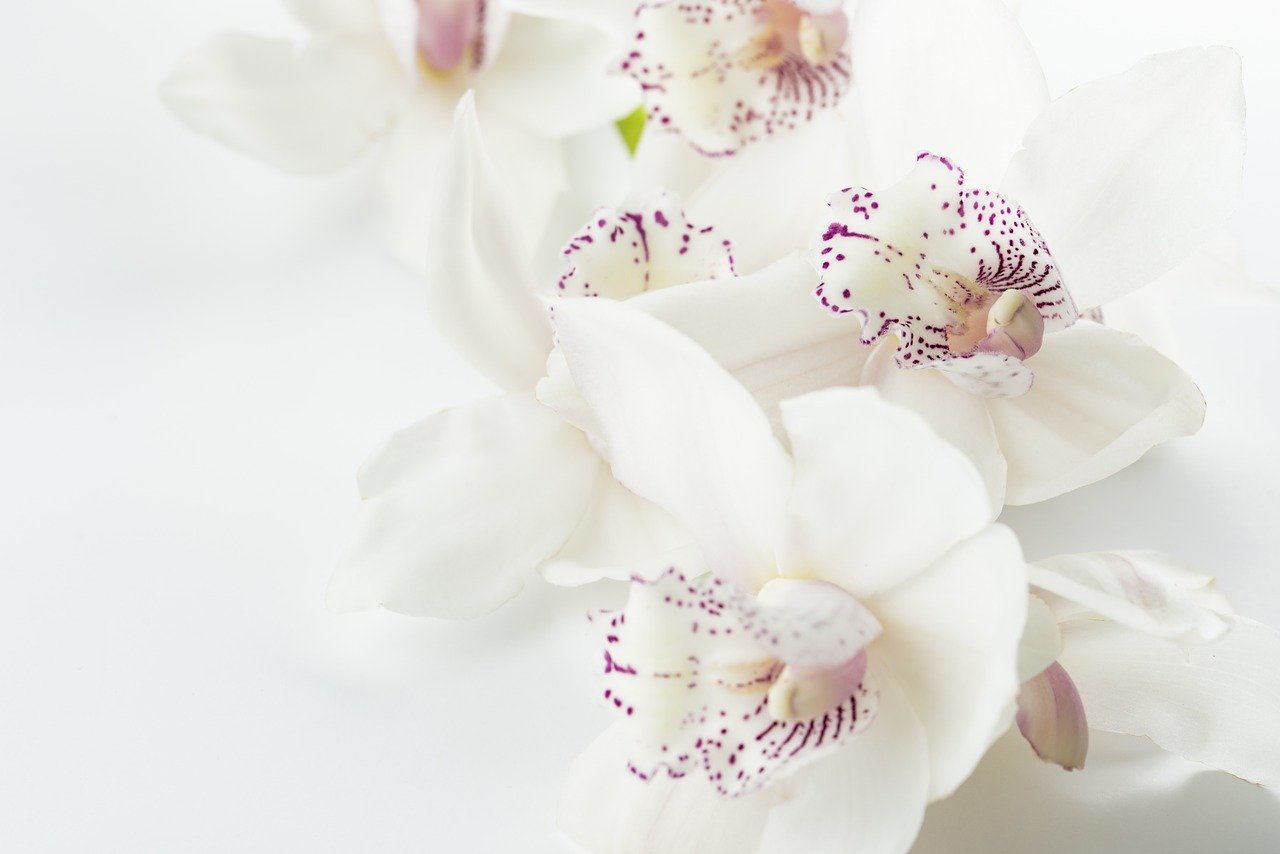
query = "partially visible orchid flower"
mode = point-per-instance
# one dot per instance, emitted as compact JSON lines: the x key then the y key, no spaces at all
{"x":1142,"y":646}
{"x":725,"y":74}
{"x":854,"y":652}
{"x":394,"y":70}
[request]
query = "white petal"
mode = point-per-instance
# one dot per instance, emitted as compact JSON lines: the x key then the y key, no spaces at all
{"x":551,"y":75}
{"x":309,"y":110}
{"x":954,"y":414}
{"x":480,"y":286}
{"x":1101,"y":400}
{"x":614,"y":16}
{"x":461,"y":506}
{"x":680,"y":431}
{"x":951,"y":640}
{"x":868,"y":798}
{"x":1214,"y":701}
{"x":766,"y":330}
{"x":621,"y":536}
{"x":1145,"y":591}
{"x":336,"y":16}
{"x":607,"y":810}
{"x":411,"y":155}
{"x":957,"y":77}
{"x":1129,"y":175}
{"x":877,"y":495}
{"x":645,"y":244}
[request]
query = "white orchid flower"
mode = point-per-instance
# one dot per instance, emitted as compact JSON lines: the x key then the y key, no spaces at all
{"x":460,"y":507}
{"x":393,"y":70}
{"x":858,"y":641}
{"x":1142,"y":646}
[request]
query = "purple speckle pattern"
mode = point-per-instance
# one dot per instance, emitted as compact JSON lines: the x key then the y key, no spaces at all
{"x":645,"y":245}
{"x":725,"y":73}
{"x":689,"y":664}
{"x":927,"y":258}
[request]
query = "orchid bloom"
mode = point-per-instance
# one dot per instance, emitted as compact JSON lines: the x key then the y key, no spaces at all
{"x":855,"y":645}
{"x":438,"y":493}
{"x":393,"y":70}
{"x":1142,"y":646}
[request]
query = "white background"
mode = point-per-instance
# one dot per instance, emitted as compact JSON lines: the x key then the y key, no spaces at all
{"x":195,"y":354}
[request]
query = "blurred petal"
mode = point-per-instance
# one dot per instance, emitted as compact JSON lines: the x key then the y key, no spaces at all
{"x":551,"y":75}
{"x":1214,"y":701}
{"x":336,"y":16}
{"x":1146,"y":591}
{"x":480,"y":286}
{"x":951,"y":639}
{"x":411,"y":155}
{"x":1101,"y":399}
{"x":867,"y":473}
{"x":680,"y":431}
{"x":460,"y":507}
{"x":1129,"y":175}
{"x":612,"y":16}
{"x":953,"y":76}
{"x":309,"y":110}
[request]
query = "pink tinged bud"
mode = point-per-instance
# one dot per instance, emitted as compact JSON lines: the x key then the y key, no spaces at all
{"x":1051,"y":718}
{"x":447,"y":32}
{"x":822,"y":36}
{"x":1014,"y":327}
{"x":804,"y":693}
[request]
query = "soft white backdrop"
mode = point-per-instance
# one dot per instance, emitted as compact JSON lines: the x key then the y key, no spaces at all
{"x":195,"y":354}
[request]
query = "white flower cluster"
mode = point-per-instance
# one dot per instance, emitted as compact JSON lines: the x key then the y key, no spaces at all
{"x":833,"y":292}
